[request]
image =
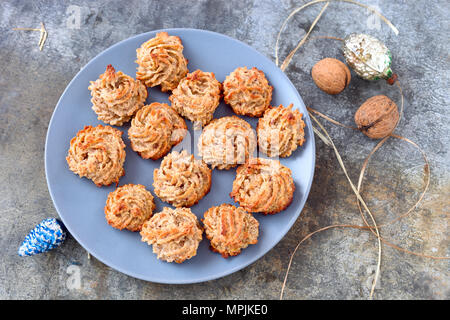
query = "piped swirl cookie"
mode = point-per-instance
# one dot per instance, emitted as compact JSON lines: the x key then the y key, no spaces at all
{"x":155,"y":129}
{"x":116,"y":96}
{"x":173,"y":233}
{"x":161,"y":62}
{"x":97,"y":153}
{"x":129,"y":206}
{"x":280,"y":131}
{"x":227,"y":142}
{"x":197,"y":97}
{"x":247,"y":91}
{"x":263,"y":185}
{"x":230,"y":229}
{"x":181,"y":179}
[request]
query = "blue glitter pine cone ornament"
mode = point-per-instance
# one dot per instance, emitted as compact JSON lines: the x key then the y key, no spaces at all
{"x":47,"y":235}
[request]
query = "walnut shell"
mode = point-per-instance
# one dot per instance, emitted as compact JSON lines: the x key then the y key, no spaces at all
{"x":331,"y":75}
{"x":377,"y":117}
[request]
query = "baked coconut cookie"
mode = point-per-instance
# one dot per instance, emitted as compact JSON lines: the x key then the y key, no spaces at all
{"x":181,"y":179}
{"x":155,"y":129}
{"x":173,"y":233}
{"x":247,"y":91}
{"x":97,"y":153}
{"x":197,"y":96}
{"x":227,"y":142}
{"x":263,"y":185}
{"x":230,"y":229}
{"x":280,"y":131}
{"x":129,"y":206}
{"x":116,"y":96}
{"x":161,"y":62}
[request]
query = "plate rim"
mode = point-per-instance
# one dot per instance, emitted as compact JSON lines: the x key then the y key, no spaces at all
{"x":228,"y":271}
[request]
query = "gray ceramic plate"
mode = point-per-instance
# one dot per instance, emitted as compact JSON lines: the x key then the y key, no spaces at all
{"x":80,"y":203}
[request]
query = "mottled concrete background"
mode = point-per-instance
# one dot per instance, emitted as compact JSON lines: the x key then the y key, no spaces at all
{"x":335,"y":264}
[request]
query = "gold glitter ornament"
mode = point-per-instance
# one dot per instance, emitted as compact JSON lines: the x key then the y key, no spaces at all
{"x":368,"y":57}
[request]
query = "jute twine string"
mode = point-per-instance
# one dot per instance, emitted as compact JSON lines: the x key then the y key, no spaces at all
{"x":43,"y":36}
{"x":322,"y":133}
{"x":294,"y":12}
{"x":365,"y":164}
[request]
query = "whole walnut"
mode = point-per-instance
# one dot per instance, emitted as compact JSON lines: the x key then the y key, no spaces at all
{"x":377,"y":117}
{"x":331,"y":75}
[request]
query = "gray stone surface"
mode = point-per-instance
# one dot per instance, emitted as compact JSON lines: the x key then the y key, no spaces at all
{"x":335,"y":264}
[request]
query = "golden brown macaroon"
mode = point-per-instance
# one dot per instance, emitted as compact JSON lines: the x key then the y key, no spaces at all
{"x":227,"y":142}
{"x":247,"y":91}
{"x":155,"y":129}
{"x":263,"y":185}
{"x":181,"y":179}
{"x":97,"y":153}
{"x":280,"y":131}
{"x":197,"y":97}
{"x":129,"y":206}
{"x":230,"y":229}
{"x":116,"y":96}
{"x":161,"y":62}
{"x":173,"y":233}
